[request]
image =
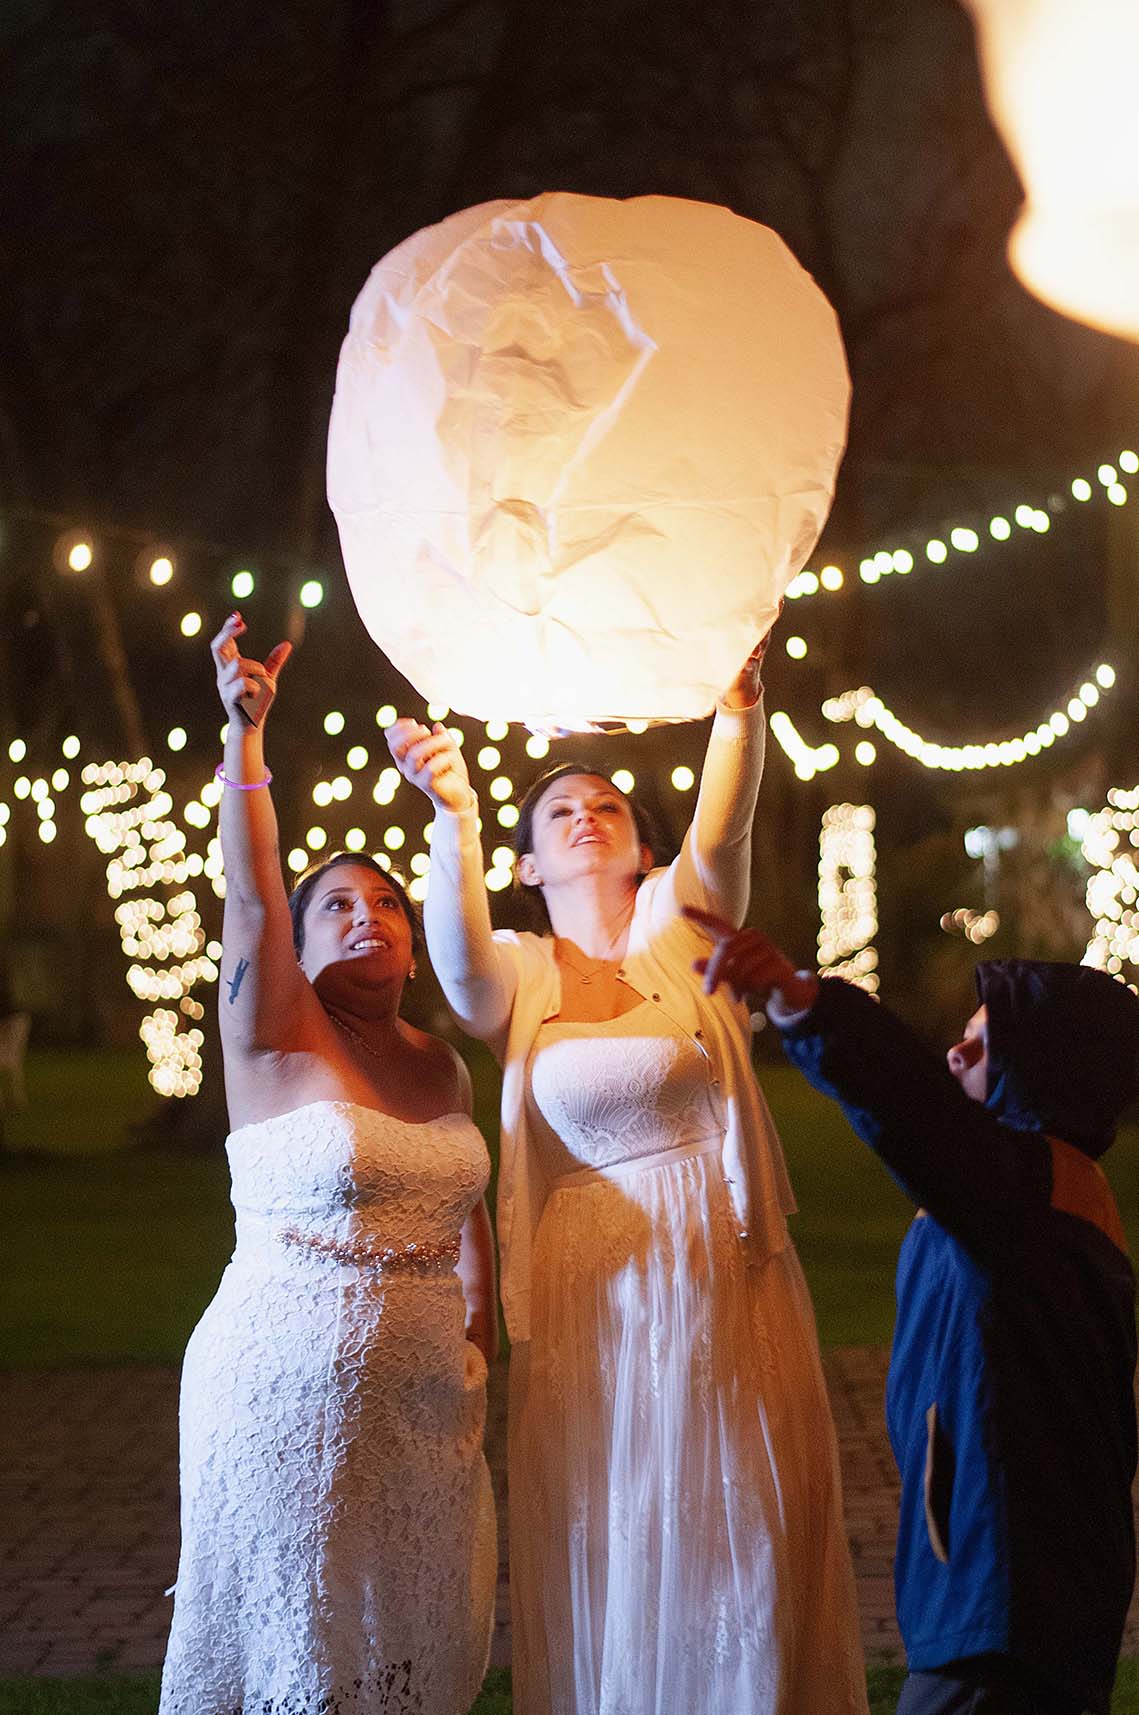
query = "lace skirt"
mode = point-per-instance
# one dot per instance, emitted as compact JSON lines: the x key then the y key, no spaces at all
{"x":676,"y":1531}
{"x":338,"y":1537}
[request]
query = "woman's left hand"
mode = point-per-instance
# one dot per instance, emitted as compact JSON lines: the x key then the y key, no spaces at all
{"x":750,"y":964}
{"x":745,"y":688}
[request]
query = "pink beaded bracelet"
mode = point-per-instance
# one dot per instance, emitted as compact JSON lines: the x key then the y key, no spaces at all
{"x":241,"y":785}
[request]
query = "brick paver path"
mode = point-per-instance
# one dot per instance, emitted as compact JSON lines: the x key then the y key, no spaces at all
{"x":89,"y":1490}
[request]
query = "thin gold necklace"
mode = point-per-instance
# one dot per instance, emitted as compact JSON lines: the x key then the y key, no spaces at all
{"x":356,"y":1037}
{"x":585,"y":977}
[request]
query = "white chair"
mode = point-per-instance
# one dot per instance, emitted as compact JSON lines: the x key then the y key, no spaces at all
{"x":14,"y":1031}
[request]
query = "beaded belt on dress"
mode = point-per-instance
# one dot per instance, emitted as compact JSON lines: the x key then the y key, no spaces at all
{"x":638,"y":1163}
{"x":383,"y":1259}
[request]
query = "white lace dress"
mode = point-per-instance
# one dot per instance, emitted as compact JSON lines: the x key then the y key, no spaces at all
{"x":338,"y":1537}
{"x":677,"y":1542}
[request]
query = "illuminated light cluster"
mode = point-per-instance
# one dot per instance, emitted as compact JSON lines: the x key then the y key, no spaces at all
{"x":386,"y":786}
{"x":806,"y":759}
{"x":501,"y":873}
{"x":174,"y":1053}
{"x":683,"y":779}
{"x":868,"y":710}
{"x":848,"y":895}
{"x":963,"y":539}
{"x":809,"y":583}
{"x":976,"y":926}
{"x":1111,"y":847}
{"x":900,"y":560}
{"x":35,"y":791}
{"x":127,"y":810}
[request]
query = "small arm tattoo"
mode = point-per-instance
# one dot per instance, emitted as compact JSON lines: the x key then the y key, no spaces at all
{"x":237,"y":979}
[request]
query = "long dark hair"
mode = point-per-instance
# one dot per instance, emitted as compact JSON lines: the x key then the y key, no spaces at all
{"x":649,"y":830}
{"x":299,"y":897}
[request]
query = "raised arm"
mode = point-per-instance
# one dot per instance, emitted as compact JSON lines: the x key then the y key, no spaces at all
{"x":979,"y":1178}
{"x":713,"y":871}
{"x":261,"y":989}
{"x":476,"y":976}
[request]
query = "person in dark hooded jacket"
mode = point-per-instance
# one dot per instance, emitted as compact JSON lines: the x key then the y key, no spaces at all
{"x":1009,"y":1400}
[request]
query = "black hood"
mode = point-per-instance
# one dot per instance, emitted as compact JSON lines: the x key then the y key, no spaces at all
{"x":1063,"y":1049}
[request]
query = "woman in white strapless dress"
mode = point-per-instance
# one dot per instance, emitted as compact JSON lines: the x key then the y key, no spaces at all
{"x":676,"y":1533}
{"x":338,"y":1537}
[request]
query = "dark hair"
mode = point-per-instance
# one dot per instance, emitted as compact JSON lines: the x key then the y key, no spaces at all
{"x":299,"y":897}
{"x":648,"y":828}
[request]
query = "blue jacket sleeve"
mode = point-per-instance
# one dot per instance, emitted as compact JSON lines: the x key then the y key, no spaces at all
{"x":978,"y":1178}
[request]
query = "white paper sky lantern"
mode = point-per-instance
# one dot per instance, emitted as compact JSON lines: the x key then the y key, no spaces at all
{"x":1061,"y":80}
{"x":579,"y":448}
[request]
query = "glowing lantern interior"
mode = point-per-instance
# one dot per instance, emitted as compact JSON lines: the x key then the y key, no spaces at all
{"x":579,"y":448}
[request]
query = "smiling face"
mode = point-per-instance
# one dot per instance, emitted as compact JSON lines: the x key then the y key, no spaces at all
{"x":356,"y":931}
{"x":968,"y":1060}
{"x":582,"y":826}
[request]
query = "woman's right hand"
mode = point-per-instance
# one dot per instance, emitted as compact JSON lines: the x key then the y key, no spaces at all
{"x":429,"y":758}
{"x":245,"y":686}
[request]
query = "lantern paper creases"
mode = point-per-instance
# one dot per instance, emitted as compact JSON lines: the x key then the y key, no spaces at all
{"x":579,"y":447}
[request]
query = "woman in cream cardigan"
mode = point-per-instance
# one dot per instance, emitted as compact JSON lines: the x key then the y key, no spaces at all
{"x":677,"y":1544}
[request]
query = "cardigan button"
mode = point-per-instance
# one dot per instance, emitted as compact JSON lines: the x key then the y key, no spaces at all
{"x":699,"y":1036}
{"x":656,"y":997}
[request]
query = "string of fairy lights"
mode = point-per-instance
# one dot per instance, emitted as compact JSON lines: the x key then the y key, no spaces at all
{"x":159,"y":856}
{"x":867,"y":709}
{"x":967,"y":540}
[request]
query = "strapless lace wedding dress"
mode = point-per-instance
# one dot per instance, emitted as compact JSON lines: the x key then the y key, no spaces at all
{"x":338,"y":1536}
{"x":677,"y":1541}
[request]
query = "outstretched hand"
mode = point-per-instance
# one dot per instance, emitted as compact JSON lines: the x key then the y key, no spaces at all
{"x":245,"y":686}
{"x":429,"y":758}
{"x":744,"y":689}
{"x":750,"y":964}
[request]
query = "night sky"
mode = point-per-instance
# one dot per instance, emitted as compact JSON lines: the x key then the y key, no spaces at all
{"x":194,"y":193}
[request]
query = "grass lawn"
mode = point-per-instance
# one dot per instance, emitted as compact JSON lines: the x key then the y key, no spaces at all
{"x":139,"y":1696}
{"x":109,"y":1254}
